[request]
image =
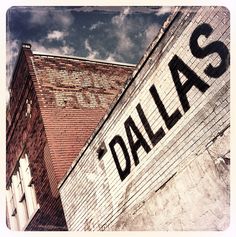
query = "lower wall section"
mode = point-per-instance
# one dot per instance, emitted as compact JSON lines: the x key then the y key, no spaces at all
{"x":197,"y":198}
{"x":49,"y":217}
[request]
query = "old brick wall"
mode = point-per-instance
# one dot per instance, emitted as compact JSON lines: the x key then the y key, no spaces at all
{"x":74,"y":95}
{"x":68,"y":97}
{"x":161,"y":140}
{"x":26,"y":133}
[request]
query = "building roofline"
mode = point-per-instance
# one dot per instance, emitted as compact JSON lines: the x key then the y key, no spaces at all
{"x":17,"y":62}
{"x":83,"y":59}
{"x":140,"y":65}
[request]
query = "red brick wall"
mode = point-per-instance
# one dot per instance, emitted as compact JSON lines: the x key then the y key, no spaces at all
{"x":74,"y":95}
{"x":28,"y":134}
{"x":69,"y":98}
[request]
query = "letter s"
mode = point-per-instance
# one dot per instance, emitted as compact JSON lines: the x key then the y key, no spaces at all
{"x":214,"y":47}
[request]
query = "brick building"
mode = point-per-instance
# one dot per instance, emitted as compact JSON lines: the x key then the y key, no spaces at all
{"x":160,"y":158}
{"x":55,"y":104}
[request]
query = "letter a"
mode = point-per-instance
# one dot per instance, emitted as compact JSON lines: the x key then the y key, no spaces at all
{"x":176,"y":64}
{"x":134,"y":146}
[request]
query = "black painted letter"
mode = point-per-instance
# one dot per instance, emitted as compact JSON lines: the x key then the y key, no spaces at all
{"x":134,"y":146}
{"x":170,"y":121}
{"x":154,"y":137}
{"x":176,"y":64}
{"x":118,"y":140}
{"x":214,"y":47}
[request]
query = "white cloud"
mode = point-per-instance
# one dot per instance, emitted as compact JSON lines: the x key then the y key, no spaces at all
{"x":124,"y":42}
{"x":39,"y":17}
{"x":67,"y":50}
{"x":96,"y":25}
{"x":121,"y":31}
{"x":56,"y":35}
{"x":119,"y":20}
{"x":92,"y":54}
{"x":12,"y":50}
{"x":63,"y":50}
{"x":163,"y":10}
{"x":110,"y":58}
{"x":126,"y":11}
{"x":64,"y":18}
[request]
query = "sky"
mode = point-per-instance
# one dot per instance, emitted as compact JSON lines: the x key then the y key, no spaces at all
{"x":118,"y":34}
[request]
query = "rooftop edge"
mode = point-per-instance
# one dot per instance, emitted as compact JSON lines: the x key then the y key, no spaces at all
{"x":83,"y":59}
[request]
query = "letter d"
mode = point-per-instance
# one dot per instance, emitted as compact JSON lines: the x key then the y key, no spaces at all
{"x":122,"y":172}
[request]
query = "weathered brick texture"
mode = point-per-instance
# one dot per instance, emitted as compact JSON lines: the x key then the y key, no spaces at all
{"x":74,"y":95}
{"x":167,"y":170}
{"x":195,"y":199}
{"x":27,"y":133}
{"x":68,"y":97}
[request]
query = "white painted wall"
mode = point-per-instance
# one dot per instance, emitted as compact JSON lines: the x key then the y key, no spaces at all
{"x":93,"y":195}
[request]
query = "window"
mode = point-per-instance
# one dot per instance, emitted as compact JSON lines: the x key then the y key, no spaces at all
{"x":21,"y":197}
{"x":19,"y":187}
{"x":12,"y":212}
{"x":28,"y":185}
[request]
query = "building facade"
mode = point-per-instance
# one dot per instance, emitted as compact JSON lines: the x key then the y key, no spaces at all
{"x":55,"y":104}
{"x":160,"y":158}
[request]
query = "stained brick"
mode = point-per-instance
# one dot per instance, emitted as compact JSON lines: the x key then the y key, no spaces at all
{"x":69,"y":97}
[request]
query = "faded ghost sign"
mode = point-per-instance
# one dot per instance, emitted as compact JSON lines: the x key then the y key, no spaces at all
{"x":176,"y":66}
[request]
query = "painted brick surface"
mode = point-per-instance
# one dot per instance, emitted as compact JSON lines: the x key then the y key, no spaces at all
{"x":201,"y":202}
{"x":165,"y":169}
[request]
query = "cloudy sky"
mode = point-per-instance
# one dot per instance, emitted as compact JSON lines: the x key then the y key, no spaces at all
{"x":109,"y":33}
